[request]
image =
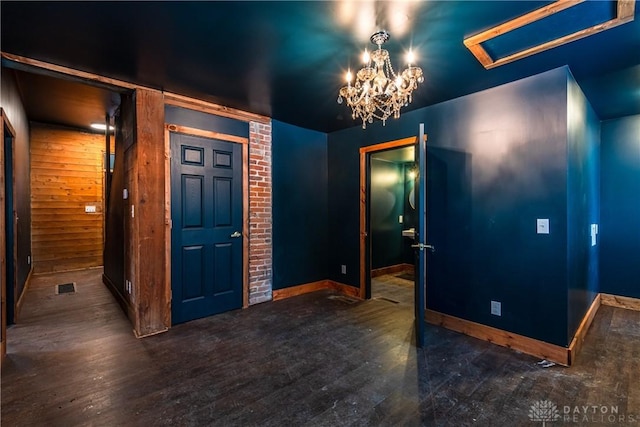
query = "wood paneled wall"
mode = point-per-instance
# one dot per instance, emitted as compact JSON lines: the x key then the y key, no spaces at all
{"x":66,"y":175}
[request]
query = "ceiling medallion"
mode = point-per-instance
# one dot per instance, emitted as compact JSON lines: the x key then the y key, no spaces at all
{"x":378,"y":91}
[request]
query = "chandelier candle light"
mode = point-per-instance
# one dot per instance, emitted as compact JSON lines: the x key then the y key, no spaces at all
{"x":378,"y":91}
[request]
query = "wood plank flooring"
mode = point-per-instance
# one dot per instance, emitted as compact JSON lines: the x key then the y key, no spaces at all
{"x":309,"y":360}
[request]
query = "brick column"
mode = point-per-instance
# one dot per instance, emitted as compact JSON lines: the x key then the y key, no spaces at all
{"x":260,"y":254}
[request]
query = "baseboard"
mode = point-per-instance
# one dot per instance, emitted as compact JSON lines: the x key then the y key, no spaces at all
{"x":306,"y":288}
{"x":621,"y":302}
{"x":392,"y":269}
{"x":122,"y":301}
{"x":533,"y":347}
{"x":20,"y":302}
{"x":581,"y":333}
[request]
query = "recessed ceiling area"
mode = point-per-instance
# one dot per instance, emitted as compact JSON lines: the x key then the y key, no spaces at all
{"x":57,"y":101}
{"x":287,"y":60}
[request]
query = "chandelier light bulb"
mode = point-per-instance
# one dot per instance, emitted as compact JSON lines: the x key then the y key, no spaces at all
{"x":411,"y":58}
{"x":349,"y":76}
{"x":365,"y":56}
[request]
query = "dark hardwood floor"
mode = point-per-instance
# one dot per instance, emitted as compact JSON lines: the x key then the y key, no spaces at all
{"x":393,"y":289}
{"x":310,"y":360}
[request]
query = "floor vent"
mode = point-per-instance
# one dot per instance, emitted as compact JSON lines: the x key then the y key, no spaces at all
{"x":344,"y":299}
{"x":387,"y":300}
{"x":66,"y":288}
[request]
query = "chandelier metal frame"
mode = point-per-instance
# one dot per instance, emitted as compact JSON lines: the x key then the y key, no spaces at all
{"x":378,"y":92}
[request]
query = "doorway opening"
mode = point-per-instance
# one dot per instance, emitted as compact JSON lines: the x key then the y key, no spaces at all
{"x":388,"y":221}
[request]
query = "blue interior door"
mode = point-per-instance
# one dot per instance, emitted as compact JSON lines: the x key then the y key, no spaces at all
{"x":421,"y":246}
{"x":206,"y":235}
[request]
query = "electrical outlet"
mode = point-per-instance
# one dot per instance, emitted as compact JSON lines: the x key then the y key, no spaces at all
{"x":496,"y":308}
{"x":400,"y":219}
{"x":343,"y":269}
{"x":90,"y":209}
{"x":29,"y":259}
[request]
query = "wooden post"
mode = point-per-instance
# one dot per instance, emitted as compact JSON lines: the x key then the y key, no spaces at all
{"x":150,"y":303}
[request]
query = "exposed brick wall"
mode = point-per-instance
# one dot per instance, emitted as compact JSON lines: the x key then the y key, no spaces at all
{"x":260,"y":253}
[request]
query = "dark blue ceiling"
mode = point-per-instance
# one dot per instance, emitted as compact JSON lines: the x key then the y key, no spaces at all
{"x":287,"y":59}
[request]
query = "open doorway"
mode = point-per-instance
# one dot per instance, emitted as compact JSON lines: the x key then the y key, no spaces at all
{"x":388,"y":220}
{"x":392,"y":224}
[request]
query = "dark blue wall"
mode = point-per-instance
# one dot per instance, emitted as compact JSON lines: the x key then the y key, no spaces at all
{"x":300,"y":232}
{"x":583,"y":204}
{"x":505,"y":151}
{"x":387,"y":204}
{"x":620,"y":208}
{"x":198,"y":120}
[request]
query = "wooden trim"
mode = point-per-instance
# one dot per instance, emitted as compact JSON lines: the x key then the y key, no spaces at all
{"x":541,"y":349}
{"x":581,"y":333}
{"x":625,"y":13}
{"x":364,"y":151}
{"x":7,"y":123}
{"x":620,"y":302}
{"x":24,"y":292}
{"x":392,"y":269}
{"x":211,"y":108}
{"x":168,"y":223}
{"x":388,"y":145}
{"x":206,"y":133}
{"x":3,"y":241}
{"x":320,"y":285}
{"x":245,"y":225}
{"x":351,"y":291}
{"x":293,"y":291}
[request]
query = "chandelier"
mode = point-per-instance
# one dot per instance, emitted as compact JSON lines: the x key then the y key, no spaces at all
{"x":378,"y":91}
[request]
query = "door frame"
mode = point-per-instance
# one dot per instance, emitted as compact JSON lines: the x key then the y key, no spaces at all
{"x":6,"y":124}
{"x":244,"y":142}
{"x":364,"y":190}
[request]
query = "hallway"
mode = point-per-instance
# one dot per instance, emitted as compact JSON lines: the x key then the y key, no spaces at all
{"x":310,"y":360}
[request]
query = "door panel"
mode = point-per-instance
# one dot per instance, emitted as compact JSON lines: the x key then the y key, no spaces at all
{"x":206,"y":211}
{"x":421,"y":237}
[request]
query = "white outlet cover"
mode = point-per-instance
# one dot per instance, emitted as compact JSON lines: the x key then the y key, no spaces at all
{"x":496,"y":308}
{"x":90,"y":209}
{"x":343,"y":269}
{"x":542,"y":225}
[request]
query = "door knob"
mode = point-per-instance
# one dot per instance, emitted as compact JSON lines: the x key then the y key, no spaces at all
{"x":236,"y":234}
{"x":422,"y":246}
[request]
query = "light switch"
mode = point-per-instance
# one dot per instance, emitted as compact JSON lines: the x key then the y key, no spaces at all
{"x":400,"y":219}
{"x":542,"y":225}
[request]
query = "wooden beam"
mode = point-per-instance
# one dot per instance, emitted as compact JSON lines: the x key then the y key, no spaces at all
{"x":169,"y":97}
{"x":521,"y":21}
{"x":581,"y":333}
{"x":151,"y":307}
{"x":621,"y":302}
{"x":625,"y":13}
{"x":70,"y":72}
{"x":211,"y":108}
{"x":541,"y":349}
